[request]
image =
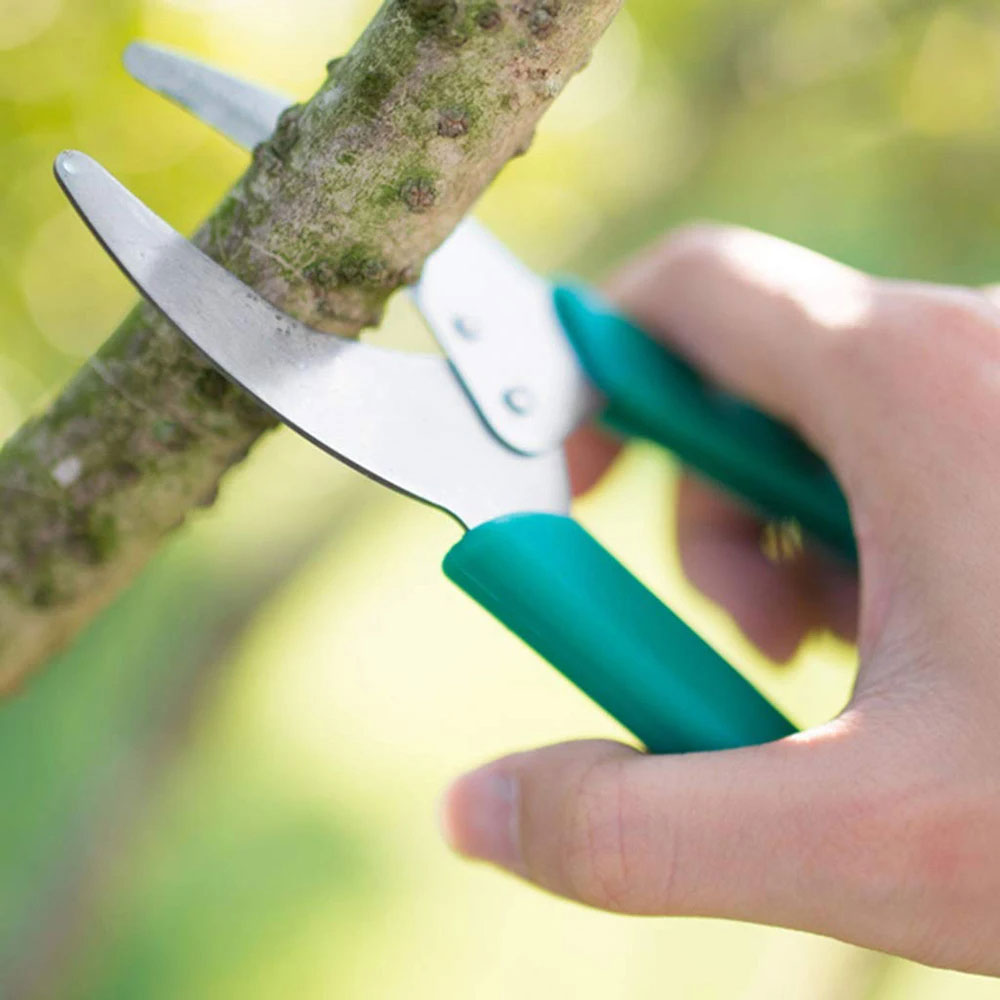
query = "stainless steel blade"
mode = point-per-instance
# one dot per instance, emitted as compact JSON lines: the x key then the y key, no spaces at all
{"x":241,"y":110}
{"x":400,"y":418}
{"x":492,"y":315}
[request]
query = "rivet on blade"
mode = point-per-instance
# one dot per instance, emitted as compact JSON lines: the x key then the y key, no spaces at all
{"x":519,"y":400}
{"x":466,"y":328}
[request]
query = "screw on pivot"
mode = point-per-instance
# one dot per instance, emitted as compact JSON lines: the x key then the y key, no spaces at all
{"x":519,"y":400}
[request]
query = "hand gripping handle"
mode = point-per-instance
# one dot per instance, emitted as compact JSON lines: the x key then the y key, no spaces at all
{"x":553,"y":585}
{"x":654,"y":394}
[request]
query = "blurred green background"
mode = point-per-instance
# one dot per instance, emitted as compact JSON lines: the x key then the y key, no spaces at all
{"x":227,"y":788}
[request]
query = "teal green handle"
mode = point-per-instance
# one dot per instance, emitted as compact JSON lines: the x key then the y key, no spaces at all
{"x":554,"y":586}
{"x":656,"y":395}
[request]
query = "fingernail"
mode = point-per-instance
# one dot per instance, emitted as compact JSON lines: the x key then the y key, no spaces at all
{"x":479,"y":818}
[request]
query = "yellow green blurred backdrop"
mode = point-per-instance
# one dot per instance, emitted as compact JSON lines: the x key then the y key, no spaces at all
{"x":228,"y":787}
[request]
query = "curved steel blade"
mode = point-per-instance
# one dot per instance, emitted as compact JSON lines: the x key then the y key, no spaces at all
{"x":240,"y":110}
{"x":402,"y":419}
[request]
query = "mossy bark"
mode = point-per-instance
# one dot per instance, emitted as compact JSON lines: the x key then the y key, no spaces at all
{"x":338,"y":210}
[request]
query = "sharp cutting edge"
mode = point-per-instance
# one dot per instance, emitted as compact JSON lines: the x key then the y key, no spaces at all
{"x":401,"y":418}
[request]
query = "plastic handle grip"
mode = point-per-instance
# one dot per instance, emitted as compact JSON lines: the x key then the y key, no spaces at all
{"x":553,"y":585}
{"x":656,"y":395}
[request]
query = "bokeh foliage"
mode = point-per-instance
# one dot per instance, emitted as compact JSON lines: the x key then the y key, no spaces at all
{"x":225,"y":789}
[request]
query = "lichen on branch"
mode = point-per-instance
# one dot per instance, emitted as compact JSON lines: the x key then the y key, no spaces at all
{"x":337,"y":210}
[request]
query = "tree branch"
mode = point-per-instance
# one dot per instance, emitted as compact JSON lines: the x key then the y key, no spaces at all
{"x":338,"y":209}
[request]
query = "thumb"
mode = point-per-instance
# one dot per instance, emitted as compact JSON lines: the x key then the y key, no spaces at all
{"x":768,"y":834}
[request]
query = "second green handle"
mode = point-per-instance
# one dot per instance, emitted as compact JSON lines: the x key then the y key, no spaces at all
{"x":654,"y":394}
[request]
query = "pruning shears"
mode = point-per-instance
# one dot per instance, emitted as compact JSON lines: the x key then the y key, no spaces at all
{"x":479,"y":433}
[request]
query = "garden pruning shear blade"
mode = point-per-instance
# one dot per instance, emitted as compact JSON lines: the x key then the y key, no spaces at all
{"x":479,"y":433}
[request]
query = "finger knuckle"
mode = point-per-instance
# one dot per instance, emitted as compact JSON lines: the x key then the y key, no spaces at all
{"x":697,"y":245}
{"x":604,"y":851}
{"x":911,"y":334}
{"x":949,"y":316}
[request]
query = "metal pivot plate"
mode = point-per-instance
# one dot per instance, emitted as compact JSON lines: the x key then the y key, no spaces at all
{"x":492,"y":316}
{"x":402,"y":419}
{"x":496,"y":320}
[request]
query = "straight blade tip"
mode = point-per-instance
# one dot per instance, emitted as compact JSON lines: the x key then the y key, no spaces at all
{"x":136,"y":58}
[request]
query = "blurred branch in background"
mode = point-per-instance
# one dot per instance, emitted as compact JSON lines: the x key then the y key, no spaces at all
{"x":177,"y":631}
{"x":338,"y":209}
{"x":866,"y":129}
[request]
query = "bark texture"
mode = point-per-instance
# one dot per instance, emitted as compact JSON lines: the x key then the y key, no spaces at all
{"x":337,"y":210}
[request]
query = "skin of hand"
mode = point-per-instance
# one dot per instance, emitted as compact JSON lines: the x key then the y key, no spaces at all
{"x":881,"y":828}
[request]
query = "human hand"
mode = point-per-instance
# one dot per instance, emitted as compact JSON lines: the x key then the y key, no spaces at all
{"x":882,"y":827}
